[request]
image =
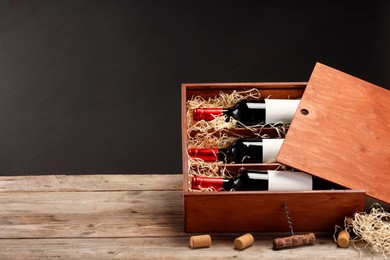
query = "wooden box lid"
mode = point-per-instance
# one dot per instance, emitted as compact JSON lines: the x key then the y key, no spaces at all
{"x":341,"y":132}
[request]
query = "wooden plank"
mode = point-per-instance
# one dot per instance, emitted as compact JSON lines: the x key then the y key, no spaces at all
{"x":268,"y":89}
{"x":170,"y":248}
{"x":108,"y":182}
{"x":263,"y":211}
{"x":129,"y":224}
{"x":344,"y":136}
{"x":90,"y":214}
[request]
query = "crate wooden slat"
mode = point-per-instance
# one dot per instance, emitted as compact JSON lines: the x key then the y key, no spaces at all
{"x":263,"y":211}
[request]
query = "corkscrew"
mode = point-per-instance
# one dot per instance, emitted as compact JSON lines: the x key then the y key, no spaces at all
{"x":293,"y":240}
{"x":289,"y":222}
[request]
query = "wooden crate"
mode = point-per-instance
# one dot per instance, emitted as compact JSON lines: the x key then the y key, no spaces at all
{"x":260,"y":211}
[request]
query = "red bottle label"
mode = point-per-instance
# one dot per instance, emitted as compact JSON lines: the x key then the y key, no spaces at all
{"x":206,"y":114}
{"x":206,"y":182}
{"x":207,"y":155}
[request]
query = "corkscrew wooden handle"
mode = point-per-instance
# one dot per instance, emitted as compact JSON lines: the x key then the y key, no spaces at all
{"x":294,"y":241}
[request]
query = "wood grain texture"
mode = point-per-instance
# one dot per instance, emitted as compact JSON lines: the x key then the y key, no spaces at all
{"x":89,"y":214}
{"x":42,"y":218}
{"x":168,"y":247}
{"x":109,"y":182}
{"x":267,"y":89}
{"x":263,"y":211}
{"x":345,"y":137}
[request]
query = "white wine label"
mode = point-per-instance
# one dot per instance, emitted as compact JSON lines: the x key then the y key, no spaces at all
{"x":271,"y":149}
{"x":280,"y":110}
{"x":288,"y":180}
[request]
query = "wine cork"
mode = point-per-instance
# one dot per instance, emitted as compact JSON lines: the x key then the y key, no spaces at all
{"x":244,"y":241}
{"x":343,"y":239}
{"x":293,"y":241}
{"x":200,"y":241}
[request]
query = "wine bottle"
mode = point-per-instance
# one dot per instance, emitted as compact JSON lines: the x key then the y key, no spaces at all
{"x":241,"y":151}
{"x":247,"y":180}
{"x":253,"y":112}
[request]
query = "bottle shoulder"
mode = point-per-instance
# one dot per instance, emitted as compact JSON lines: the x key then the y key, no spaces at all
{"x":248,"y":141}
{"x":248,"y":104}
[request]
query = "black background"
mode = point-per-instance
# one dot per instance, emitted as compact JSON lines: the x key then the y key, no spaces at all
{"x":94,"y":86}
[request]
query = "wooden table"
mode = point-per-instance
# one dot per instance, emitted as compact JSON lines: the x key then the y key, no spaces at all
{"x":121,"y":216}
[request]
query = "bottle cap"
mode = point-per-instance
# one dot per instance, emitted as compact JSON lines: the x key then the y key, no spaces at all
{"x":206,"y":182}
{"x":207,"y":155}
{"x":207,"y":114}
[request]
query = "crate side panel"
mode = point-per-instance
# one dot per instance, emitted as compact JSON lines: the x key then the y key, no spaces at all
{"x":309,"y":211}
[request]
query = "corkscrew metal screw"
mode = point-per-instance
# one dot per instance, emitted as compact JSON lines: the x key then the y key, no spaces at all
{"x":289,"y":222}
